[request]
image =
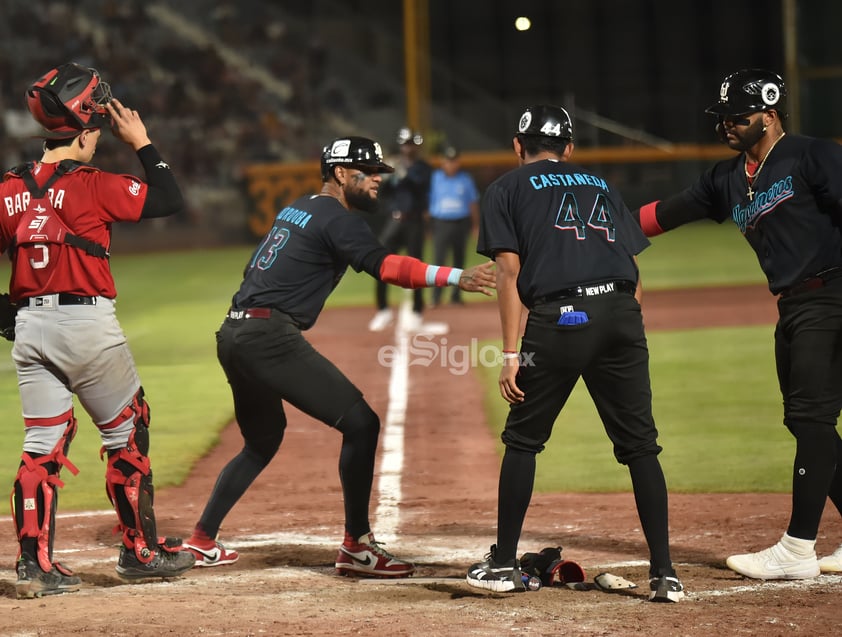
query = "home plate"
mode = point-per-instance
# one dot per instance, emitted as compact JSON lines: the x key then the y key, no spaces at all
{"x":410,"y":580}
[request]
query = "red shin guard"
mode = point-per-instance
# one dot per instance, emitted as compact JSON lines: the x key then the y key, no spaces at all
{"x":34,"y":496}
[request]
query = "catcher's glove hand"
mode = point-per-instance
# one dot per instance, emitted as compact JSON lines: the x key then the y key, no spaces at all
{"x":8,"y":310}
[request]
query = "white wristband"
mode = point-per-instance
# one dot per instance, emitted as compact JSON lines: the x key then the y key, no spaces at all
{"x":453,"y":277}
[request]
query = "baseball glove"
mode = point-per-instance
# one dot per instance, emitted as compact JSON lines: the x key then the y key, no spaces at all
{"x":541,"y":564}
{"x":551,"y":568}
{"x":8,"y":310}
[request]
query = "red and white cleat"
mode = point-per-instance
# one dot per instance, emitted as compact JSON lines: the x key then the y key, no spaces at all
{"x":210,"y":553}
{"x":365,"y":557}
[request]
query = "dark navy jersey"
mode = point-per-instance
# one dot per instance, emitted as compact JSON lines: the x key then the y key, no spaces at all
{"x":407,"y":191}
{"x":793,"y":219}
{"x":568,"y":226}
{"x":303,"y":257}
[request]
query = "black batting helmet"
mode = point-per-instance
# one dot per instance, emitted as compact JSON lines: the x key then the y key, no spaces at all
{"x":750,"y":91}
{"x":356,"y":152}
{"x":67,"y":100}
{"x":546,"y":121}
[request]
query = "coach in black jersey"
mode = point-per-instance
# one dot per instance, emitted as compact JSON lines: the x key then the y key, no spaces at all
{"x":784,"y":193}
{"x":268,"y":362}
{"x":565,"y":245}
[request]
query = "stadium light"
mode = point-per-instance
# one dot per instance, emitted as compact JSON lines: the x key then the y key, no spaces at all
{"x":522,"y":23}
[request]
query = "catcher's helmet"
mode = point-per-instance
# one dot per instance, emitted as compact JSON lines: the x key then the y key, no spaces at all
{"x":67,"y":100}
{"x":408,"y":136}
{"x":356,"y":152}
{"x":546,"y":121}
{"x":749,"y":91}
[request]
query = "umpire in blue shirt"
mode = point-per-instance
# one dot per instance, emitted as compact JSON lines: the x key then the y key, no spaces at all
{"x":454,"y":211}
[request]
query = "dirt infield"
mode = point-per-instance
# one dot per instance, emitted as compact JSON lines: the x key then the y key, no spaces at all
{"x":289,"y":524}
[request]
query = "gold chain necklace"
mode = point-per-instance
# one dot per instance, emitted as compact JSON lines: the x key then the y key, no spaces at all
{"x":750,"y":178}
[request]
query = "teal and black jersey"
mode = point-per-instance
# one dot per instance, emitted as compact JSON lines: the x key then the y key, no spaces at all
{"x":568,"y":226}
{"x":790,"y":213}
{"x":303,"y":257}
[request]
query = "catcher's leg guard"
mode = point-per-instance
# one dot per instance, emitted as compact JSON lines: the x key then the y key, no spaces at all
{"x":128,"y":481}
{"x":35,"y":498}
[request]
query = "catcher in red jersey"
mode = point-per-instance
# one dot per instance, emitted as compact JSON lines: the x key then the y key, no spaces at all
{"x":57,"y":228}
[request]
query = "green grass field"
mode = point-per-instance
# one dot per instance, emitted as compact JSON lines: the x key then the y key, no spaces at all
{"x":716,"y":401}
{"x":718,"y":411}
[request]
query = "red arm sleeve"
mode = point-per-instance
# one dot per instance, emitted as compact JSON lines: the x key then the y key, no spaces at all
{"x":409,"y":272}
{"x":649,"y":220}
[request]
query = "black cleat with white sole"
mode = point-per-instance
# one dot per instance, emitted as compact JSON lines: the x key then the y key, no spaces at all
{"x":500,"y":577}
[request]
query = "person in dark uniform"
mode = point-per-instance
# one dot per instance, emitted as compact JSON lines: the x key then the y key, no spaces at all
{"x":565,"y":245}
{"x":404,"y":199}
{"x":268,"y":362}
{"x":784,"y":193}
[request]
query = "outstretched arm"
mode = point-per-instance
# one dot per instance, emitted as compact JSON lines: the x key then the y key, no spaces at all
{"x":660,"y":216}
{"x":409,"y":272}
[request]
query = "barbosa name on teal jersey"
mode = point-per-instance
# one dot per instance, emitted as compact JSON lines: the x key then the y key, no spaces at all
{"x":553,"y":180}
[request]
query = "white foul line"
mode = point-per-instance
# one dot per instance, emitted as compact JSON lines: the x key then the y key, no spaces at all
{"x":387,"y":515}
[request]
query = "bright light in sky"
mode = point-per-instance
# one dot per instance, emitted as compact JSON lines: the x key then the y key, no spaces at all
{"x":522,"y":23}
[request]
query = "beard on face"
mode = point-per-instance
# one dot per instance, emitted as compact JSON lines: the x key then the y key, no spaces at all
{"x":361,"y":200}
{"x":746,"y":140}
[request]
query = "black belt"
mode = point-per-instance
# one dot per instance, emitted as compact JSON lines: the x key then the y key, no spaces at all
{"x":813,"y":283}
{"x":63,"y":299}
{"x":584,"y":291}
{"x":253,"y":312}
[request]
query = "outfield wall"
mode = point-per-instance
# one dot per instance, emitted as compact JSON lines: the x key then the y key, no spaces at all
{"x":641,"y":173}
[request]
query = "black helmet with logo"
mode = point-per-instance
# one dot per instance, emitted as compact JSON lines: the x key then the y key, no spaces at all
{"x":356,"y":152}
{"x":67,"y":100}
{"x":546,"y":121}
{"x":750,"y":91}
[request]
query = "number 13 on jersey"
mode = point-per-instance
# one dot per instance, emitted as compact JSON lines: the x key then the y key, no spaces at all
{"x":265,"y":256}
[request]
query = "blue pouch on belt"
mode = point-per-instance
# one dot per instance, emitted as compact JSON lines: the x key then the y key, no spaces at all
{"x":573,"y":318}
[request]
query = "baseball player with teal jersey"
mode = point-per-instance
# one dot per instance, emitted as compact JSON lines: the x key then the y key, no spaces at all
{"x":784,"y":194}
{"x":565,"y":245}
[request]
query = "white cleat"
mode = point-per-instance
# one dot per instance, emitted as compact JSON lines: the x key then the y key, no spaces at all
{"x":832,"y":563}
{"x":381,"y":320}
{"x":413,"y":323}
{"x":776,"y":562}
